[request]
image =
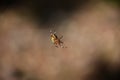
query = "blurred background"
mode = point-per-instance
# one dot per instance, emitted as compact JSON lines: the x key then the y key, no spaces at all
{"x":90,"y":30}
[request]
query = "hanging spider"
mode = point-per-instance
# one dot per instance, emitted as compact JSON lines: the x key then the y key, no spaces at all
{"x":55,"y":40}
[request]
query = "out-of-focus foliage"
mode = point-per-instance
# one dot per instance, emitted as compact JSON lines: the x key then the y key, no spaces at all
{"x":116,"y":2}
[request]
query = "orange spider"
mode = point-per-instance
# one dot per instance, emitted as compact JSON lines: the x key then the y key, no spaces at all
{"x":55,"y":40}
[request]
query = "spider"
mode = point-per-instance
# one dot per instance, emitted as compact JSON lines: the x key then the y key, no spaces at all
{"x":55,"y":40}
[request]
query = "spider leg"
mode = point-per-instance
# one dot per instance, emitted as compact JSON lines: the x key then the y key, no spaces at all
{"x":61,"y":37}
{"x":56,"y":45}
{"x":61,"y":44}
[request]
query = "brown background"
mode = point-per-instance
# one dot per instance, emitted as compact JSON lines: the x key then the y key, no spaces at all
{"x":90,"y":29}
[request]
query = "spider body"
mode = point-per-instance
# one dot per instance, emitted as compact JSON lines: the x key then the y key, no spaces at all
{"x":55,"y":40}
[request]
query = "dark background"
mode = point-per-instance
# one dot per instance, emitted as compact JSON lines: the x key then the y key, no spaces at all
{"x":48,"y":11}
